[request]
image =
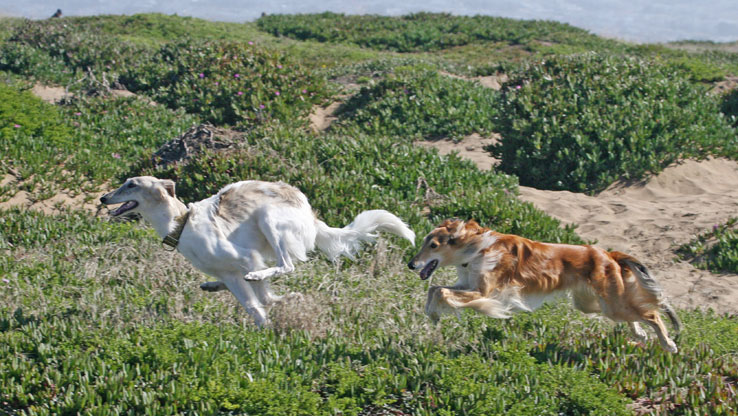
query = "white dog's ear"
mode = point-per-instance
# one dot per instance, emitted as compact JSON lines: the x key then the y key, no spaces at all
{"x":169,"y":186}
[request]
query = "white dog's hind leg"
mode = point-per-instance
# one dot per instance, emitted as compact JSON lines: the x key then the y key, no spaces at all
{"x":243,"y":291}
{"x":264,"y":292}
{"x":271,"y":231}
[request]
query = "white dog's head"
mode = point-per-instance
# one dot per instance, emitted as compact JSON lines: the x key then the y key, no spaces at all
{"x":141,"y":194}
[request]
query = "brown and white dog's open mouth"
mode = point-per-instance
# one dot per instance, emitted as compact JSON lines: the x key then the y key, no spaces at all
{"x":428,"y":270}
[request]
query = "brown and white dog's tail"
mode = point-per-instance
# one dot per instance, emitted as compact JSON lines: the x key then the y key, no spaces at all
{"x":647,"y":282}
{"x":347,"y":241}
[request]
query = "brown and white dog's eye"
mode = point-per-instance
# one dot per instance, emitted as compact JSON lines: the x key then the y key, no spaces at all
{"x":433,"y":244}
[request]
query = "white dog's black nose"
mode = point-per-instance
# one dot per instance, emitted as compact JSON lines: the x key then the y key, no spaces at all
{"x":411,"y":265}
{"x":104,"y":199}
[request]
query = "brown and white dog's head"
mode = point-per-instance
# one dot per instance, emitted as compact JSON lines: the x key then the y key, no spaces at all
{"x":453,"y":243}
{"x":141,"y":195}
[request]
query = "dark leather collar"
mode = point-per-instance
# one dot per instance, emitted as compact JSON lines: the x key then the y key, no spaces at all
{"x":172,"y":239}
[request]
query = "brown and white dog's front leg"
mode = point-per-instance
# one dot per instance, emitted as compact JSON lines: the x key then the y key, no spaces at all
{"x":496,"y":305}
{"x":436,"y":304}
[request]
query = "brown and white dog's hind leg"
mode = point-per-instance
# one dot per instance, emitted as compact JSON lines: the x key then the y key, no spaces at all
{"x":638,"y":333}
{"x":653,"y":319}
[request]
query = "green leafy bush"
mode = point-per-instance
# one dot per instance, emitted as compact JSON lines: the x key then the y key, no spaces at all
{"x":153,"y":28}
{"x":729,"y":106}
{"x":227,"y":83}
{"x":31,"y":134}
{"x":414,"y":32}
{"x":581,"y":122}
{"x":62,"y":366}
{"x":715,"y":250}
{"x":81,"y":144}
{"x":418,"y":102}
{"x":112,"y":135}
{"x":222,"y":82}
{"x":61,"y":51}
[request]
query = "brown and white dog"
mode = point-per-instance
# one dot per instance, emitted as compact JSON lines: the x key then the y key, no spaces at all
{"x":499,"y":274}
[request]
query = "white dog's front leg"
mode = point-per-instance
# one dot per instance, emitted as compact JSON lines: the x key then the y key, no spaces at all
{"x":216,"y":286}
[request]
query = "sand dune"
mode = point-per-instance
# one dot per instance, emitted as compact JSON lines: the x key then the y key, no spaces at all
{"x":651,"y":218}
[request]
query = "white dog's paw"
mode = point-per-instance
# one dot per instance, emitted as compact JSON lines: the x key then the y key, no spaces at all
{"x":254,"y":276}
{"x":213,"y":286}
{"x":294,"y":295}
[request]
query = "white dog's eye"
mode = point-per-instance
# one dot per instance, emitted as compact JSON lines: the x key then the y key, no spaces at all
{"x":131,"y":185}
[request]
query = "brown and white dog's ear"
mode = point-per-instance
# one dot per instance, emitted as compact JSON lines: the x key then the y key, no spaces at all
{"x":453,"y":226}
{"x":168,"y":186}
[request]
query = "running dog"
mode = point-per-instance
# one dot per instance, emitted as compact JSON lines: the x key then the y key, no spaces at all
{"x":233,"y":234}
{"x":499,"y":274}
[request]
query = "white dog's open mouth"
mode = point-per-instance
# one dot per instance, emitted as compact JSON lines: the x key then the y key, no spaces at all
{"x":127,"y":206}
{"x":428,"y":269}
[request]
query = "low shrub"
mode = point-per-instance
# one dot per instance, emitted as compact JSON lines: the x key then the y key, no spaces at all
{"x":222,"y":82}
{"x":413,"y":32}
{"x":715,"y":250}
{"x":153,"y":28}
{"x":579,"y":123}
{"x":62,"y":51}
{"x":81,"y":144}
{"x":418,"y":102}
{"x":61,"y":366}
{"x":31,"y":134}
{"x":729,"y":106}
{"x":227,"y":83}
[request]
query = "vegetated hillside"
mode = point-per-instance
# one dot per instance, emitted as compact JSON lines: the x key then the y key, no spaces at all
{"x":96,"y":318}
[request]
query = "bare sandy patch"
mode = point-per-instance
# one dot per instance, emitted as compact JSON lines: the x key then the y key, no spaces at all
{"x":56,"y":204}
{"x":726,"y":85}
{"x":54,"y":94}
{"x":7,"y":179}
{"x":63,"y":200}
{"x":470,"y":147}
{"x":321,"y":118}
{"x":491,"y":81}
{"x":50,"y":94}
{"x":651,"y":218}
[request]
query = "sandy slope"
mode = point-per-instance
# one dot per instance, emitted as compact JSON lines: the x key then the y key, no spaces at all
{"x":649,"y":219}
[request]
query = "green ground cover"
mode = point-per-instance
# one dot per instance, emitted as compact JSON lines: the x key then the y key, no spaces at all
{"x":96,"y":318}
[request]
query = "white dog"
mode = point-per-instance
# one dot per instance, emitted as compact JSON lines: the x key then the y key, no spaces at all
{"x":232,"y":234}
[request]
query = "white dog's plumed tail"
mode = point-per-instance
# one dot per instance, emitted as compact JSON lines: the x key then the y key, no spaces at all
{"x":347,"y":241}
